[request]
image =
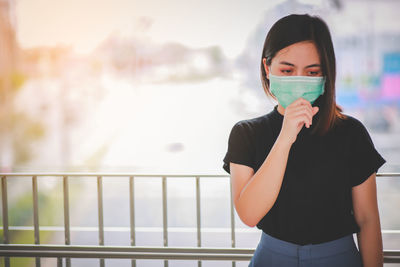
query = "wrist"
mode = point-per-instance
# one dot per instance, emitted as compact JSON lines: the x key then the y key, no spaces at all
{"x":283,"y":141}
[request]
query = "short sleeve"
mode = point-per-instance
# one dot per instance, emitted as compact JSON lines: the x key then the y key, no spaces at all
{"x":363,"y":158}
{"x":240,"y":148}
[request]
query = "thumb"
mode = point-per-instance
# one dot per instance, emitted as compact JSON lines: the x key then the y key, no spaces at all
{"x":315,"y":110}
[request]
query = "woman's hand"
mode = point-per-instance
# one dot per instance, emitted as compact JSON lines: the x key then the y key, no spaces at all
{"x":297,"y":114}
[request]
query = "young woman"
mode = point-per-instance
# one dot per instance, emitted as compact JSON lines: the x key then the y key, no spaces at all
{"x":304,"y":173}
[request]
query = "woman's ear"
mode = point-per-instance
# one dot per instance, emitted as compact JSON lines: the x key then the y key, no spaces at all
{"x":266,"y":67}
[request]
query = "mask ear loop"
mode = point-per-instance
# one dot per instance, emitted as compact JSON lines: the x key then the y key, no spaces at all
{"x":269,"y":69}
{"x":266,"y":67}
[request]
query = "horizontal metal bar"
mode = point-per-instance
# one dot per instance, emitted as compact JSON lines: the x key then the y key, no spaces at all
{"x":166,"y":253}
{"x":126,"y":249}
{"x":83,"y":174}
{"x":151,"y":229}
{"x":126,"y":255}
{"x":388,"y":174}
{"x":391,"y":256}
{"x":140,"y":229}
{"x":93,"y":175}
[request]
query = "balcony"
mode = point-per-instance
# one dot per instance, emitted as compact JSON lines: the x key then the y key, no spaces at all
{"x":63,"y":253}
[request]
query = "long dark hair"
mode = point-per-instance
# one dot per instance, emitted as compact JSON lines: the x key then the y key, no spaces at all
{"x":297,"y":28}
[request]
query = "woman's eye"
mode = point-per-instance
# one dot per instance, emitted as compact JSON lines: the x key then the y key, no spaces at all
{"x":313,"y":73}
{"x":286,"y":71}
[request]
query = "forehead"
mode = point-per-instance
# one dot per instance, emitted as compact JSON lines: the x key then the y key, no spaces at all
{"x":301,"y":53}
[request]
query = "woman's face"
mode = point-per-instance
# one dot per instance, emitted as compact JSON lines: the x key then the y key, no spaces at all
{"x":299,"y":59}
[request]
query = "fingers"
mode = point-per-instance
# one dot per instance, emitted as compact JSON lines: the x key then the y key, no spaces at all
{"x":305,"y":113}
{"x":298,"y":114}
{"x":305,"y":120}
{"x":302,"y":109}
{"x":301,"y":102}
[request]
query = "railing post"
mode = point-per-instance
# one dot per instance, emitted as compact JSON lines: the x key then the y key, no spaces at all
{"x":233,"y":238}
{"x":100,"y":213}
{"x":5,"y":209}
{"x":66,"y":217}
{"x":198,"y":215}
{"x":35,"y":215}
{"x":165,"y":219}
{"x":6,"y":239}
{"x":132,"y":213}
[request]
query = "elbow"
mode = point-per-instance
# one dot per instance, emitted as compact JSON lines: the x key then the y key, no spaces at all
{"x":251,"y":222}
{"x":247,"y":216}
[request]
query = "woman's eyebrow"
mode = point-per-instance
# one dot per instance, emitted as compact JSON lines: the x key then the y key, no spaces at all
{"x":292,"y":65}
{"x":286,"y":63}
{"x":313,"y":65}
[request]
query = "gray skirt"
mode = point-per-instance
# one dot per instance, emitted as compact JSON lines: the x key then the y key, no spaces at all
{"x":273,"y":252}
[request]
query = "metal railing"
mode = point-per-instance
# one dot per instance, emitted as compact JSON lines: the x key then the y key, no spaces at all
{"x":132,"y":252}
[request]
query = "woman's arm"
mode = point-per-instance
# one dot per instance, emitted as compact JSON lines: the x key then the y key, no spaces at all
{"x":367,"y":216}
{"x":254,"y":195}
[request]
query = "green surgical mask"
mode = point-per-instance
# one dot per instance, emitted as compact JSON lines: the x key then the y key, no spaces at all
{"x":289,"y":88}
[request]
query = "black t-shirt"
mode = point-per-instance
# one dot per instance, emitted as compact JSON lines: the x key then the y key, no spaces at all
{"x":314,"y":204}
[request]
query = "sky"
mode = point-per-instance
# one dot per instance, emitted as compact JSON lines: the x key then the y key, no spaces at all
{"x":85,"y":23}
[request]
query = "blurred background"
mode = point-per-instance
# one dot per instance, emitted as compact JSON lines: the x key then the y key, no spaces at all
{"x":155,"y":87}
